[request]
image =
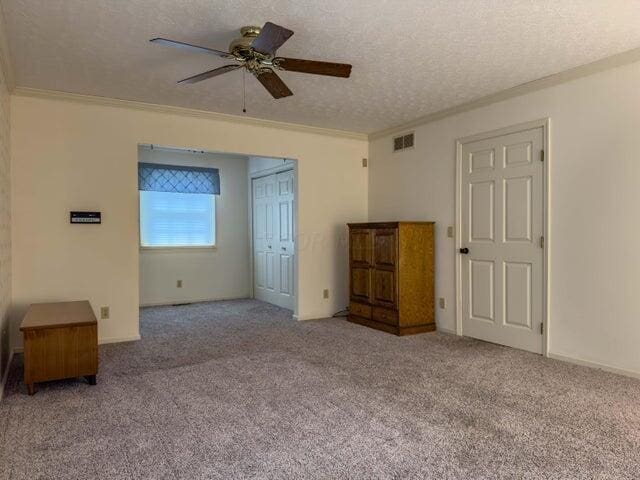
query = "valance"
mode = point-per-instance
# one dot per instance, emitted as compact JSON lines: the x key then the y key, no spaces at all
{"x":157,"y":177}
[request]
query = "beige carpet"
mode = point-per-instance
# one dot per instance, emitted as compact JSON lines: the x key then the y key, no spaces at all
{"x":238,"y":389}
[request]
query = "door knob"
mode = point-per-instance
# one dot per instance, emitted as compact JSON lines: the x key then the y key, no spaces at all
{"x":269,"y":246}
{"x":464,"y":250}
{"x":284,"y":248}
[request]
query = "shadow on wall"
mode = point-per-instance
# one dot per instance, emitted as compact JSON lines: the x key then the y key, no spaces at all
{"x":341,"y":273}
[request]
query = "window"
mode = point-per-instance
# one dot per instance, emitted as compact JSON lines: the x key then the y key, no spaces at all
{"x":177,"y":219}
{"x":177,"y":205}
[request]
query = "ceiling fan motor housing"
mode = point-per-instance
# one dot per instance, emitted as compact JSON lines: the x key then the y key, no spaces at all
{"x":241,"y":47}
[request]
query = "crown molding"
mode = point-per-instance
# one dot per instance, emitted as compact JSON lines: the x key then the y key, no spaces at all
{"x":152,"y":107}
{"x":5,"y":57}
{"x":614,"y":61}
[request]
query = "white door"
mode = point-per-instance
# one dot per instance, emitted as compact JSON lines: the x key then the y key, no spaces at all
{"x":285,"y":250}
{"x":264,"y":229}
{"x":502,"y":228}
{"x":273,"y":233}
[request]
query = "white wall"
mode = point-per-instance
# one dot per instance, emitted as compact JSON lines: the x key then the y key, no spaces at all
{"x":206,"y":273}
{"x":595,"y":196}
{"x":69,"y":154}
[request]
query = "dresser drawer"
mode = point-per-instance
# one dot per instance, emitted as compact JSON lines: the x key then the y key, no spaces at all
{"x":384,"y":315}
{"x":360,"y":310}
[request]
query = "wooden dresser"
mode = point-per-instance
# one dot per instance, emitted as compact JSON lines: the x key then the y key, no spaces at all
{"x":60,"y":341}
{"x":391,"y":284}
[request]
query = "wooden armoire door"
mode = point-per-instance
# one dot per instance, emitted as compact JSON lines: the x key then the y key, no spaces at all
{"x":360,"y":257}
{"x":384,"y":277}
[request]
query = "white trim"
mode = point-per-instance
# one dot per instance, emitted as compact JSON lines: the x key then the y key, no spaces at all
{"x":152,"y":107}
{"x":614,"y":61}
{"x":133,"y":338}
{"x":190,"y":301}
{"x":592,"y":364}
{"x":179,"y":248}
{"x":611,"y":62}
{"x":545,"y":124}
{"x":6,"y":374}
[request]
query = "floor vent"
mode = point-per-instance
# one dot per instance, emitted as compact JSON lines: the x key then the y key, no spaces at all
{"x":403,"y":142}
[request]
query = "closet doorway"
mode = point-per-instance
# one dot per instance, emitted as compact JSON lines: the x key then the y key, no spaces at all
{"x":273,"y":232}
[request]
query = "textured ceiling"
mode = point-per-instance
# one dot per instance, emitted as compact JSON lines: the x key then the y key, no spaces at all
{"x":410,"y":57}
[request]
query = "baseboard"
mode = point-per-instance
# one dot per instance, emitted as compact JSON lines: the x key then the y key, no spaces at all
{"x":106,"y":340}
{"x":450,"y":331}
{"x":304,"y":318}
{"x":189,"y":302}
{"x":6,"y":375}
{"x":590,"y":364}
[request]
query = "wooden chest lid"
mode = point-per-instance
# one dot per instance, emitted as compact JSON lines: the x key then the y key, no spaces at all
{"x":59,"y":314}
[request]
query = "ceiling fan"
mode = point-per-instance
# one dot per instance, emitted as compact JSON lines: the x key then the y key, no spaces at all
{"x":256,"y":51}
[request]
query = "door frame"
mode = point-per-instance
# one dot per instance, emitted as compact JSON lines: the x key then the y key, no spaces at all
{"x":545,"y":124}
{"x":288,"y":164}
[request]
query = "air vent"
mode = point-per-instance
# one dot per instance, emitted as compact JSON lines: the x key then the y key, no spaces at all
{"x":398,"y":143}
{"x":403,"y":142}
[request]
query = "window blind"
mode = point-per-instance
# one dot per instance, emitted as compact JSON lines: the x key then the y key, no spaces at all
{"x":170,"y":219}
{"x":155,"y":177}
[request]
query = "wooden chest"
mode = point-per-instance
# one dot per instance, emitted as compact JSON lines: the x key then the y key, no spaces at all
{"x":391,"y":283}
{"x":60,"y":341}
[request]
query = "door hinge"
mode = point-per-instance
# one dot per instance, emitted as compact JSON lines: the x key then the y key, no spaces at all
{"x":542,"y":155}
{"x":541,"y":328}
{"x":542,"y":241}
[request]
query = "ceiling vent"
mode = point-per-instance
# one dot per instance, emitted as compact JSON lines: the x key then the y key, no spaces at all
{"x":403,"y":142}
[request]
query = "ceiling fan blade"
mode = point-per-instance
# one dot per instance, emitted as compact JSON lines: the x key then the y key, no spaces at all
{"x":188,"y":46}
{"x":311,"y":66}
{"x":274,"y":84}
{"x":271,"y":38}
{"x":211,"y":73}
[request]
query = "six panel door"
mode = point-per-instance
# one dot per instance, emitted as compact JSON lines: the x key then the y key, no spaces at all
{"x":502,"y":226}
{"x":264,"y":231}
{"x":285,"y":246}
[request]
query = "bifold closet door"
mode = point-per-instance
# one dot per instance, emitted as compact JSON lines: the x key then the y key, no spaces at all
{"x":273,"y":239}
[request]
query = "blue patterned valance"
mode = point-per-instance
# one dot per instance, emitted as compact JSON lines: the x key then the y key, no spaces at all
{"x":178,"y":179}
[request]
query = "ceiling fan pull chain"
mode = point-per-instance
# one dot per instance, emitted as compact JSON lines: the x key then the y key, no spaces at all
{"x":244,"y":94}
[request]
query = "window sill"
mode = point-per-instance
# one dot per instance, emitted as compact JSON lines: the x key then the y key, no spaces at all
{"x":183,"y":248}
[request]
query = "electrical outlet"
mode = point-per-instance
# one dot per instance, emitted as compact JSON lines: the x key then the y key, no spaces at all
{"x":325,"y":293}
{"x":104,"y":313}
{"x":179,"y":284}
{"x":441,"y":302}
{"x":450,"y":232}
